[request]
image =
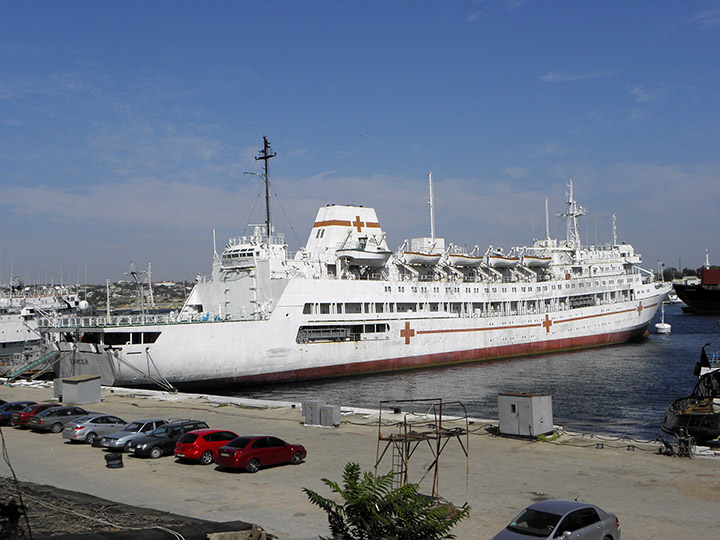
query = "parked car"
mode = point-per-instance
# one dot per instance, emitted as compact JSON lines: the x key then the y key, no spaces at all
{"x":55,"y":418}
{"x":6,"y":410}
{"x":202,"y":444}
{"x":562,"y":519}
{"x":90,"y":427}
{"x":120,"y":440}
{"x":254,"y":451}
{"x":161,"y":441}
{"x":20,"y":418}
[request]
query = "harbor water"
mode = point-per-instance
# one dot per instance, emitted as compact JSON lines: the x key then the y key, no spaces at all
{"x":621,"y":390}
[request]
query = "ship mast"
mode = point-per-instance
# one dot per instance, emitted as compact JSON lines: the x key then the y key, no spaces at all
{"x":265,"y":155}
{"x":432,"y":211}
{"x":574,"y":211}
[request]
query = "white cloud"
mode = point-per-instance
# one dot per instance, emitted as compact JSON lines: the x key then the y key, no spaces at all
{"x":567,"y":77}
{"x":708,"y":19}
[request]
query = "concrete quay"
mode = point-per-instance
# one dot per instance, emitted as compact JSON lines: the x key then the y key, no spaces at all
{"x":654,"y":496}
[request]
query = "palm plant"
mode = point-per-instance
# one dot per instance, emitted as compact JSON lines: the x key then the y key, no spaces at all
{"x":372,"y":510}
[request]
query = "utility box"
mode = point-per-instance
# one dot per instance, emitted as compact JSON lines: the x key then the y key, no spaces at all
{"x":330,"y":415}
{"x":524,"y":415}
{"x":81,"y":389}
{"x":311,"y":412}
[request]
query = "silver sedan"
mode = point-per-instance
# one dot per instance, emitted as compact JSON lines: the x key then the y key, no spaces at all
{"x":91,"y":427}
{"x":562,"y":520}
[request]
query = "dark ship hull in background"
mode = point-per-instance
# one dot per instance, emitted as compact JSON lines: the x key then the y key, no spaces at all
{"x":699,"y":413}
{"x":703,"y":298}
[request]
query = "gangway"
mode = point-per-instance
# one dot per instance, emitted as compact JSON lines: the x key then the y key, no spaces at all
{"x":46,"y":360}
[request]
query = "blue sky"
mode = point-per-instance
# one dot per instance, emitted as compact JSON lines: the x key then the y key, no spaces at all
{"x":125,"y":127}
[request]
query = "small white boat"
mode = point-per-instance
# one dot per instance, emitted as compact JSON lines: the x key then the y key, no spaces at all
{"x":361,"y":257}
{"x":421,"y":258}
{"x":662,"y":327}
{"x":536,"y":261}
{"x":498,"y":260}
{"x":464,"y":260}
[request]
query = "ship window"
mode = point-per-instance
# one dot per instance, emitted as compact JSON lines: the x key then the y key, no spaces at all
{"x":324,"y":309}
{"x":403,"y":307}
{"x":367,"y":307}
{"x":307,"y":309}
{"x":116,"y":338}
{"x":90,"y":337}
{"x":150,"y":337}
{"x":339,"y":308}
{"x":353,"y":307}
{"x":379,"y":307}
{"x":136,"y":338}
{"x":434,"y":306}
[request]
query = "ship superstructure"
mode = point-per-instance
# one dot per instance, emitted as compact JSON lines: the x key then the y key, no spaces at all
{"x":346,"y":304}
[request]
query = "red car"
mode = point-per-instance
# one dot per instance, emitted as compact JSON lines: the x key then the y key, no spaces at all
{"x":20,"y":418}
{"x":202,"y":444}
{"x":254,"y":451}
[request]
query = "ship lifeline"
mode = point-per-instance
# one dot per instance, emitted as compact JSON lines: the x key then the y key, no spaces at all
{"x":346,"y":304}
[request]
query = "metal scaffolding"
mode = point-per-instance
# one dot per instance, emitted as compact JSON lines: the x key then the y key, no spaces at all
{"x":412,"y":431}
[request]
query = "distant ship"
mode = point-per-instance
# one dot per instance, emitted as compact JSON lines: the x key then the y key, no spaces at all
{"x":346,"y":304}
{"x":703,"y":297}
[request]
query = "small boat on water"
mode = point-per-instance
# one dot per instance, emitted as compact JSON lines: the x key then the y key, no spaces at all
{"x":662,"y":327}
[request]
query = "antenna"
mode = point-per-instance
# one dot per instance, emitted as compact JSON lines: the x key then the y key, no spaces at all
{"x":432,"y":213}
{"x":574,"y":211}
{"x":547,"y":220}
{"x":266,"y":154}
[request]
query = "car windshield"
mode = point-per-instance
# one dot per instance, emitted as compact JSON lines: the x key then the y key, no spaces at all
{"x":29,"y":408}
{"x":240,"y":442}
{"x":83,"y":419}
{"x":534,"y":523}
{"x":162,"y":431}
{"x":133,"y":426}
{"x":188,"y":438}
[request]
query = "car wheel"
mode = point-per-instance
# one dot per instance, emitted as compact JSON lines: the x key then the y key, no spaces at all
{"x":156,"y":452}
{"x":90,"y":438}
{"x":296,"y":458}
{"x":126,"y":447}
{"x":252,"y":466}
{"x":206,"y":458}
{"x":56,"y":427}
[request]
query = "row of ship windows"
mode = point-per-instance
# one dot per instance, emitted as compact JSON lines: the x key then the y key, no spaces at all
{"x":529,"y":288}
{"x":115,"y":338}
{"x":527,"y":306}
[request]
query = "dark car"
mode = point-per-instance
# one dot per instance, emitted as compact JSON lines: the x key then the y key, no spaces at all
{"x":202,"y":444}
{"x":161,"y":441}
{"x":6,"y":410}
{"x":562,"y":519}
{"x":120,"y":440}
{"x":254,"y":451}
{"x":20,"y":418}
{"x":55,"y":418}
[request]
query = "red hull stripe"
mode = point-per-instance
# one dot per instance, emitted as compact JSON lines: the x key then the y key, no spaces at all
{"x":344,"y":223}
{"x":440,"y":359}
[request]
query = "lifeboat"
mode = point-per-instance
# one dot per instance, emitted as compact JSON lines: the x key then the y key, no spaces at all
{"x":498,"y":260}
{"x":421,"y":258}
{"x":361,"y":257}
{"x":536,"y":261}
{"x":464,"y":260}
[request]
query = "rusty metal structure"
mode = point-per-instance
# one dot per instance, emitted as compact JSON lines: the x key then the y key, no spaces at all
{"x":420,"y":430}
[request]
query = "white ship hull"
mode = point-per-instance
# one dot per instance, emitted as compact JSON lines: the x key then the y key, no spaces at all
{"x":235,"y":352}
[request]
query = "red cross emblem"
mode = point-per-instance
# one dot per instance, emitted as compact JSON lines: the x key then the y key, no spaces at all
{"x":640,"y":308}
{"x":547,"y":323}
{"x":407,"y":333}
{"x":357,"y":223}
